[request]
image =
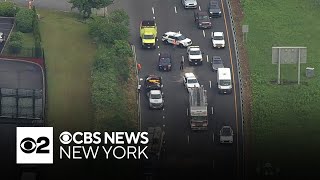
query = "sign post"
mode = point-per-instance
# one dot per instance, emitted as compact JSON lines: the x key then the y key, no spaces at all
{"x":245,"y":30}
{"x":289,"y":55}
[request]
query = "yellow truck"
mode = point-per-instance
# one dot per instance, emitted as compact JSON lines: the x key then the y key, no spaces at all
{"x":148,"y":34}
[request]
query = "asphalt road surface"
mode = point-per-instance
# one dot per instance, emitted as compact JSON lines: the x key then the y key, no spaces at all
{"x":188,"y":153}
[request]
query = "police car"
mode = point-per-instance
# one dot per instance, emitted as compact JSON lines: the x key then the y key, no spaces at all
{"x":175,"y":37}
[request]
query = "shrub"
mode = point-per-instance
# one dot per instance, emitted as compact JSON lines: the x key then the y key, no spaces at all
{"x":24,"y":20}
{"x":15,"y":47}
{"x":16,"y":36}
{"x":8,"y":9}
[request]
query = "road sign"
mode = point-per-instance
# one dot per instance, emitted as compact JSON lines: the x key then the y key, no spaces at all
{"x":289,"y":55}
{"x":245,"y":28}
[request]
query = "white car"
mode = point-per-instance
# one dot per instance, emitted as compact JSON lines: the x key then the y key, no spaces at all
{"x":190,"y":81}
{"x":226,"y":135}
{"x":2,"y":38}
{"x":217,"y":39}
{"x":156,"y":99}
{"x":189,"y":4}
{"x":171,"y":37}
{"x":194,"y":55}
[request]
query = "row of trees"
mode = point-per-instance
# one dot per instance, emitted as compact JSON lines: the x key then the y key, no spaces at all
{"x":85,"y":6}
{"x":111,"y":71}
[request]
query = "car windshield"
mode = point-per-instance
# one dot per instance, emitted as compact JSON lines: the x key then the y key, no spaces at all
{"x":192,"y":81}
{"x":218,"y":61}
{"x":218,"y":38}
{"x":181,"y":37}
{"x":226,"y":132}
{"x":155,"y":96}
{"x":165,"y":60}
{"x":225,"y":82}
{"x":148,"y":37}
{"x":203,"y":17}
{"x":195,"y":52}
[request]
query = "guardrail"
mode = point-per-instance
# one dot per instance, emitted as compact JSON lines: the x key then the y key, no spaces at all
{"x":239,"y":74}
{"x":133,"y":48}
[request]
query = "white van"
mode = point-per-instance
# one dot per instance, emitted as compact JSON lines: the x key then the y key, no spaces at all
{"x":224,"y":80}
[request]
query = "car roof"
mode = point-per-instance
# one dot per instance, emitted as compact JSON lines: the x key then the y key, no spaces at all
{"x":216,"y":57}
{"x":218,"y":33}
{"x":155,"y":91}
{"x":165,"y":55}
{"x":202,"y":13}
{"x":189,"y":75}
{"x":171,"y":33}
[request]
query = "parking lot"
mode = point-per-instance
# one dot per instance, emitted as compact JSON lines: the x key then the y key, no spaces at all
{"x":5,"y":27}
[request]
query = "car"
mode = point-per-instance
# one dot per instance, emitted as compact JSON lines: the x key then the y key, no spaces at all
{"x":189,"y":4}
{"x":165,"y":61}
{"x":172,"y":37}
{"x":194,"y":55}
{"x":216,"y":62}
{"x":190,"y":81}
{"x":202,"y":20}
{"x":217,"y":39}
{"x":226,"y":135}
{"x":214,"y":8}
{"x":156,"y":100}
{"x":2,"y":37}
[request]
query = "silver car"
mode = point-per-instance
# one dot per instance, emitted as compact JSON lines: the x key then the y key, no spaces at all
{"x":187,"y":4}
{"x":216,"y":63}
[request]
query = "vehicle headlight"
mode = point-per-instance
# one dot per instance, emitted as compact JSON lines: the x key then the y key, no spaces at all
{"x":200,"y":24}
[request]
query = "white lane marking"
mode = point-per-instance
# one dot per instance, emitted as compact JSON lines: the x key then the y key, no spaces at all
{"x":158,"y":47}
{"x":204,"y":33}
{"x":211,"y":109}
{"x":159,"y":54}
{"x":207,"y":58}
{"x":152,"y":10}
{"x":175,"y":9}
{"x":140,"y":125}
{"x":213,"y":137}
{"x":187,"y":112}
{"x":213,"y":164}
{"x":188,"y":139}
{"x":163,"y":117}
{"x":163,"y":125}
{"x":212,"y":34}
{"x":199,"y":8}
{"x":210,"y":84}
{"x":183,"y":58}
{"x":154,"y":17}
{"x":179,"y":32}
{"x":163,"y":109}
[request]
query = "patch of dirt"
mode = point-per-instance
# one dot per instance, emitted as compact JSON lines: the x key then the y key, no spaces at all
{"x":238,"y":16}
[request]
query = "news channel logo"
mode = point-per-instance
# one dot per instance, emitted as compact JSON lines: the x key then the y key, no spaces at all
{"x":34,"y":145}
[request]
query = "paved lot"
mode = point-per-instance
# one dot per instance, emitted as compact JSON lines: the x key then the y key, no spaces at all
{"x":5,"y":28}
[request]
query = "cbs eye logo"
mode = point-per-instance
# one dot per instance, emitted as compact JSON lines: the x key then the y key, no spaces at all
{"x":65,"y":137}
{"x":34,"y":145}
{"x":29,"y":145}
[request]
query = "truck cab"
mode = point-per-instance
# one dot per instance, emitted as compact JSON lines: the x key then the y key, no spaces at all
{"x":194,"y":55}
{"x":224,"y":82}
{"x":148,"y":34}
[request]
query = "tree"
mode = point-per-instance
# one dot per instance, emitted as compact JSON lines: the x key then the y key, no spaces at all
{"x":24,"y":19}
{"x":85,"y":6}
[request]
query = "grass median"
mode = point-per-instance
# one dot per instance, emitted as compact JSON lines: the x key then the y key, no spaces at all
{"x":285,"y":117}
{"x":69,"y":54}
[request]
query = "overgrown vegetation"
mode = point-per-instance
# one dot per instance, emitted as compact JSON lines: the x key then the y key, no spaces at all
{"x":285,"y":117}
{"x":8,"y":9}
{"x":24,"y":20}
{"x":86,"y":6}
{"x":111,"y":71}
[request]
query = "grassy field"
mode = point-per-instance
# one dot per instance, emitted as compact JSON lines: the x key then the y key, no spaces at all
{"x":69,"y":55}
{"x":286,"y":118}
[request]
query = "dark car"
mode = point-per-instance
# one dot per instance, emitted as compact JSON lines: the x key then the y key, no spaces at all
{"x":202,"y":20}
{"x":165,"y":61}
{"x":214,"y":9}
{"x":216,"y":63}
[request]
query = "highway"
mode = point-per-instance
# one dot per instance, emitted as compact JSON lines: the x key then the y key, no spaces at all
{"x":188,"y":153}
